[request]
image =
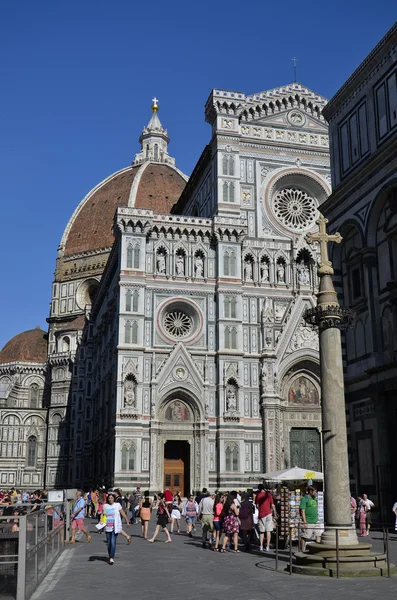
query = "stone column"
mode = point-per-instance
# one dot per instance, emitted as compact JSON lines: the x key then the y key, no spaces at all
{"x":329,"y":316}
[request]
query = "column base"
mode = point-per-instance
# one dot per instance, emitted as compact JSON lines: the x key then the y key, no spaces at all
{"x":355,"y":560}
{"x":346,"y":537}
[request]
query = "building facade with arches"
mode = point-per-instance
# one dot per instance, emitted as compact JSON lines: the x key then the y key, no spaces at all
{"x":363,"y":208}
{"x":177,"y":350}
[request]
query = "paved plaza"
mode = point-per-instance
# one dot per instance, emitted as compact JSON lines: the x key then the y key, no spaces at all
{"x":183,"y":569}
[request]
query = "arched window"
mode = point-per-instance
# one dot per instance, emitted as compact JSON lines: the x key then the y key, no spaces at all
{"x":134,"y":331}
{"x":233,"y":265}
{"x":224,"y":164}
{"x":34,"y":396}
{"x":228,"y":459}
{"x":135,"y":297}
{"x":225,"y":192}
{"x":226,"y":264}
{"x":136,"y":257}
{"x":127,"y":333}
{"x":231,"y":165}
{"x":233,"y":307}
{"x":131,"y":459}
{"x":226,"y":307}
{"x":129,"y":257}
{"x":156,"y":152}
{"x":231,"y":192}
{"x":233,"y":338}
{"x":128,"y":297}
{"x":231,"y":455}
{"x":227,"y":337}
{"x":124,"y":452}
{"x":32,"y":451}
{"x":147,"y":150}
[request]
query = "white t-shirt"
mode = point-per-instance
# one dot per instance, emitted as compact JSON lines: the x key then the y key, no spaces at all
{"x":113,"y":519}
{"x":368,"y":503}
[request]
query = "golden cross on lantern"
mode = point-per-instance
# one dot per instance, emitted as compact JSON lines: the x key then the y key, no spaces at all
{"x":322,"y":237}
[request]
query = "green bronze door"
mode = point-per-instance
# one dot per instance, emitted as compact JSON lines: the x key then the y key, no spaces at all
{"x":305,"y":449}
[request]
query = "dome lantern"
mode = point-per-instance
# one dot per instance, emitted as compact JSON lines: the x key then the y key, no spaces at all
{"x":154,"y":141}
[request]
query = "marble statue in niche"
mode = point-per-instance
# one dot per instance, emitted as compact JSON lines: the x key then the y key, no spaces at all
{"x":231,"y":398}
{"x":303,"y":273}
{"x":180,"y":265}
{"x":129,"y":393}
{"x":198,"y":266}
{"x":265,"y":272}
{"x":280,"y":273}
{"x":160,"y":264}
{"x":248,"y":270}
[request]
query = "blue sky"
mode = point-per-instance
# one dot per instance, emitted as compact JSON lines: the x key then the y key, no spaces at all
{"x":77,"y":79}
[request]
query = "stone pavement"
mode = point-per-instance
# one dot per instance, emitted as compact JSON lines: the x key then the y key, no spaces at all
{"x":183,"y":569}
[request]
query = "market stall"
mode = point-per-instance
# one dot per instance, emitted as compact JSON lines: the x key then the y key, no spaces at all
{"x":291,"y":485}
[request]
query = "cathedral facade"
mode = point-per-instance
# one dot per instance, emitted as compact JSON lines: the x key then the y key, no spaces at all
{"x":177,"y":351}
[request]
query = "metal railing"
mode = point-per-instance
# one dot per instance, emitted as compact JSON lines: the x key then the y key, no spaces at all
{"x":295,"y":532}
{"x":29,"y":545}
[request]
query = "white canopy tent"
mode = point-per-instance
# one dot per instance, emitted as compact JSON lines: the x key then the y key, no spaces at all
{"x":293,"y":474}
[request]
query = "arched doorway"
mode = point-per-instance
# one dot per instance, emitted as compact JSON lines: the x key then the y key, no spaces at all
{"x":179,"y":442}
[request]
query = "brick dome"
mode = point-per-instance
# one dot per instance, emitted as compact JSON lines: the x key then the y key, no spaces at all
{"x":153,"y":186}
{"x":29,"y":346}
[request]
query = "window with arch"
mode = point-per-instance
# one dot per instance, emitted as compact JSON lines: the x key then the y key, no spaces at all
{"x":228,"y":165}
{"x":156,"y":152}
{"x":147,"y":150}
{"x":128,"y":456}
{"x":128,"y":301}
{"x":225,"y":192}
{"x":127,"y":333}
{"x":134,"y":333}
{"x":231,"y":192}
{"x":232,"y":458}
{"x":133,"y":257}
{"x":230,"y":307}
{"x":229,"y":263}
{"x":34,"y":396}
{"x":32,"y":451}
{"x":231,"y":337}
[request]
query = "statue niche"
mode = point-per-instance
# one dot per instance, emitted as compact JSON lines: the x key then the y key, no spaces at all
{"x":231,"y":397}
{"x":130,"y":386}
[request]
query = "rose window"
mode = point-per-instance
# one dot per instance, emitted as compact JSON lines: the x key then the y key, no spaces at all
{"x":178,"y":324}
{"x":294,"y":209}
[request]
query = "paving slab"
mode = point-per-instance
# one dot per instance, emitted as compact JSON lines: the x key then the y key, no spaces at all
{"x":183,"y":569}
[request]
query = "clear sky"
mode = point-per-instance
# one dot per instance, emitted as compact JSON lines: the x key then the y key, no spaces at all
{"x":77,"y":79}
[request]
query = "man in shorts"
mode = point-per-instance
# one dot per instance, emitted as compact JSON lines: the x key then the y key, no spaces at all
{"x":309,"y":513}
{"x":266,"y":511}
{"x":77,"y":518}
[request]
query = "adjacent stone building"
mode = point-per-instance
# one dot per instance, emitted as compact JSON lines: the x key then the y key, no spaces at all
{"x":177,"y":351}
{"x":363,"y":207}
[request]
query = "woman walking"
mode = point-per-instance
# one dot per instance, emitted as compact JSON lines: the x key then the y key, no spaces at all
{"x":145,"y":512}
{"x":190,"y":511}
{"x":231,"y":524}
{"x":246,"y":520}
{"x":176,"y":513}
{"x":162,"y":519}
{"x":113,"y":513}
{"x":100,"y":504}
{"x":218,"y":509}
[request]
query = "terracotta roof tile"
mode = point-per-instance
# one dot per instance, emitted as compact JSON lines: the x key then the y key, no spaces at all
{"x":74,"y":325}
{"x":29,"y":346}
{"x":159,"y":188}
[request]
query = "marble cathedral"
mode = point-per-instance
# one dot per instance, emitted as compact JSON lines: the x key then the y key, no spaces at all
{"x":177,"y":353}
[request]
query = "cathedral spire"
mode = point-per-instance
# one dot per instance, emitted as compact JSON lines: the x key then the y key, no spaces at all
{"x":154,"y":140}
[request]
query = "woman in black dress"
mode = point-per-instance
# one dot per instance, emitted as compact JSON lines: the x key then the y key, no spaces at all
{"x":163,"y":517}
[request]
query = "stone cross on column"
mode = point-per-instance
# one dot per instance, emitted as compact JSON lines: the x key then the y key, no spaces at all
{"x":323,"y":238}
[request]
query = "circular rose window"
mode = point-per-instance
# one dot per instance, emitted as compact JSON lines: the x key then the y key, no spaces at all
{"x":180,"y":319}
{"x":294,"y":209}
{"x":178,"y":324}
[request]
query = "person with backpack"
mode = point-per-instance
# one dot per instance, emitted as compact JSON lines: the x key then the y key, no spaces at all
{"x":266,"y":512}
{"x":246,"y":521}
{"x":309,"y":513}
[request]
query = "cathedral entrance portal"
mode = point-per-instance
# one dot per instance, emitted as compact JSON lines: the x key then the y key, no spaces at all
{"x":177,"y":466}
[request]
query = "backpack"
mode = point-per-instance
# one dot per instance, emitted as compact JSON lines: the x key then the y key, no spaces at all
{"x":245,"y":510}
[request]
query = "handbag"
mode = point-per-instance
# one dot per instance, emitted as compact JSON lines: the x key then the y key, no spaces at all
{"x":100,"y":526}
